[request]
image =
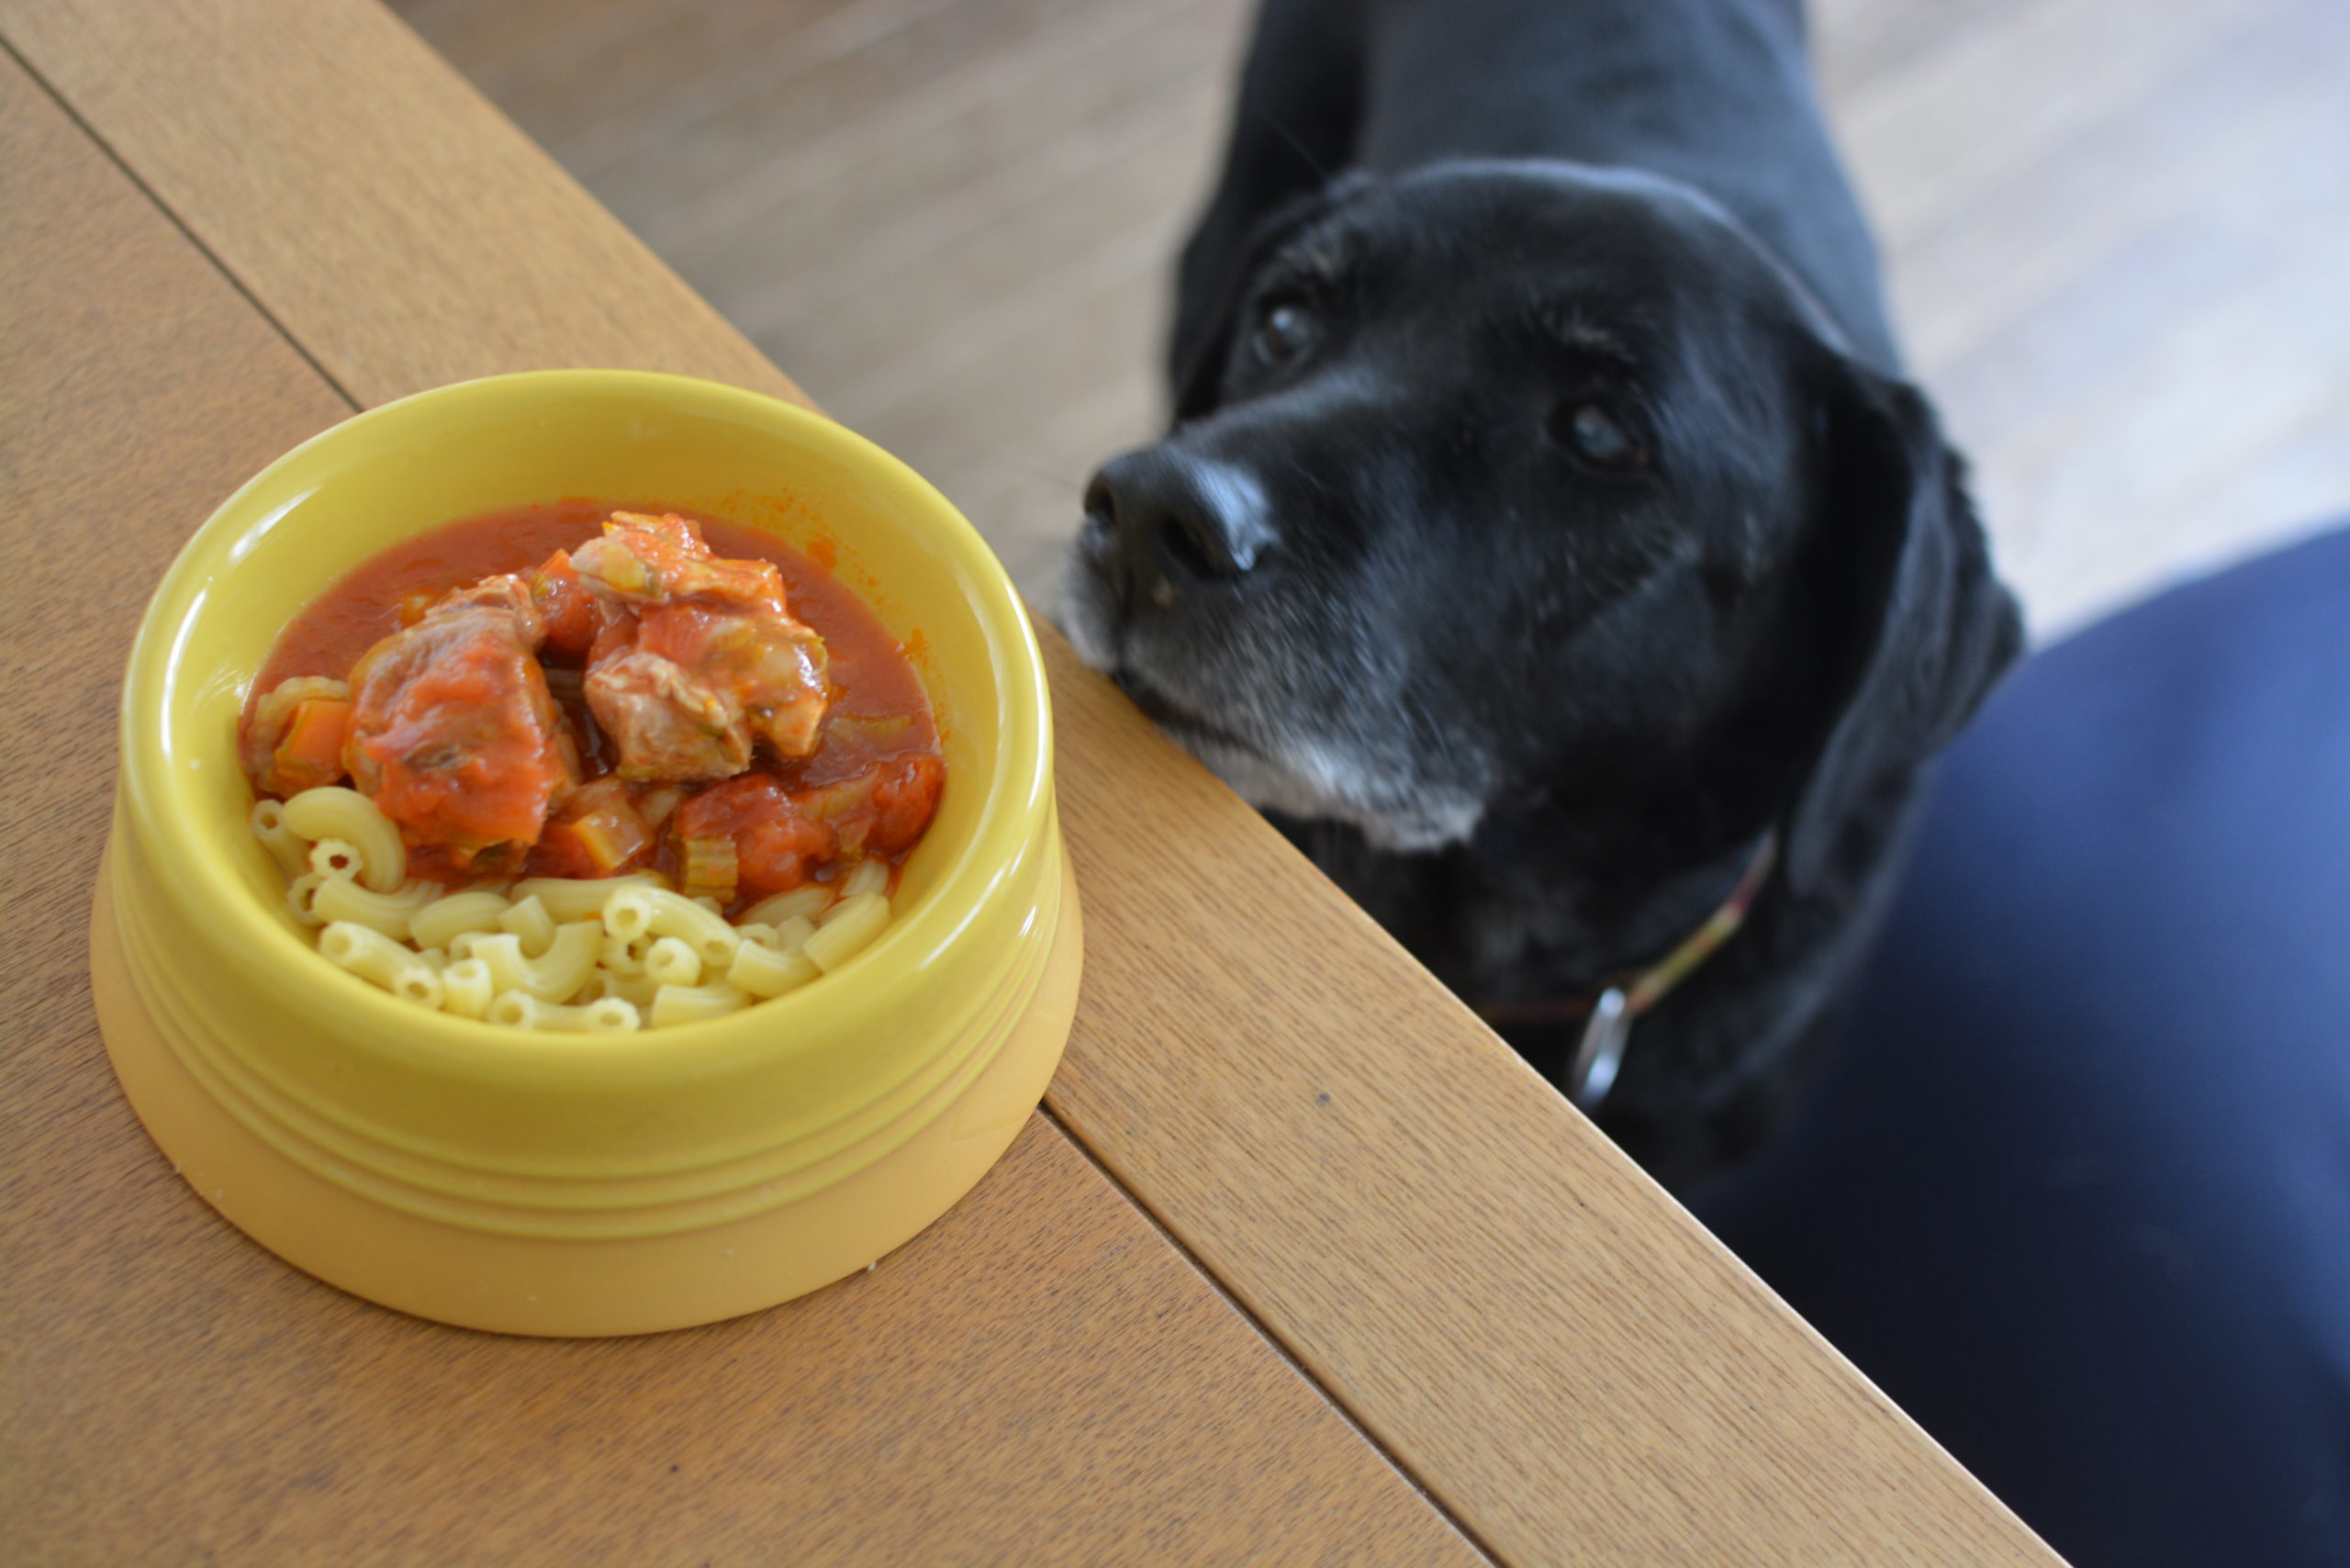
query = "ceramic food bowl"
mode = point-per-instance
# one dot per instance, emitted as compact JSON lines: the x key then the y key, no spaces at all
{"x":573,"y":1184}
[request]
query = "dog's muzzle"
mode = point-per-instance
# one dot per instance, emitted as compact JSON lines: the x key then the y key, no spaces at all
{"x":1175,"y":522}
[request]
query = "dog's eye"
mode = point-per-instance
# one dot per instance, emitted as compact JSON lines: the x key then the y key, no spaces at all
{"x":1284,"y":331}
{"x":1590,"y":433}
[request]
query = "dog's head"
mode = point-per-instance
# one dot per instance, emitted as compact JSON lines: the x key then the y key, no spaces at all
{"x":1518,"y":487}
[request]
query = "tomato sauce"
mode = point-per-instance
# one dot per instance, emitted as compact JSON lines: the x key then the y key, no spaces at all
{"x":877,"y":713}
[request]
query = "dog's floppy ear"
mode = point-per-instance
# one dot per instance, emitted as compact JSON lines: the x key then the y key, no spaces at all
{"x":1923,"y":627}
{"x":1209,"y":312}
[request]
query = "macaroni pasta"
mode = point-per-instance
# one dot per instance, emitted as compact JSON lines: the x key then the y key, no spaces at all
{"x":546,"y":953}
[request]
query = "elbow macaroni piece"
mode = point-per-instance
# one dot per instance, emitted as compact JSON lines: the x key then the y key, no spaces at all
{"x":765,"y":972}
{"x":556,"y":975}
{"x":692,"y":1003}
{"x":606,"y":1015}
{"x":442,"y":922}
{"x":374,"y":956}
{"x":466,"y":987}
{"x":331,"y":812}
{"x":633,"y":912}
{"x":634,"y":989}
{"x":568,"y":899}
{"x":672,"y":962}
{"x":394,"y":914}
{"x":620,"y":958}
{"x":335,"y":857}
{"x":302,"y":895}
{"x":811,"y":900}
{"x":527,"y":918}
{"x":284,"y":845}
{"x":849,"y":927}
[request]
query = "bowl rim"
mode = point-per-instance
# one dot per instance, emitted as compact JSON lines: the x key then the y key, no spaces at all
{"x":1014,"y":813}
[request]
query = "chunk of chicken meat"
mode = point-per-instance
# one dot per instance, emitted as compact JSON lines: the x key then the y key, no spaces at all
{"x":699,"y":659}
{"x":453,"y":731}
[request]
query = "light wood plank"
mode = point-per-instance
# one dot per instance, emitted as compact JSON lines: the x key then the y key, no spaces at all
{"x":2225,"y":118}
{"x":594,"y":60}
{"x":1041,"y":1377}
{"x":1001,"y":117}
{"x":2133,"y":354}
{"x":101,"y":310}
{"x":1927,"y":140}
{"x":372,"y":247}
{"x":1566,"y":1360}
{"x":812,"y":80}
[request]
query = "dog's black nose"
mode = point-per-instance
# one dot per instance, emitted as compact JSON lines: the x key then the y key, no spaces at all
{"x":1179,"y":519}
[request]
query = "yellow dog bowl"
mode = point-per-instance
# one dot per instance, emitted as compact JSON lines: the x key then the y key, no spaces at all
{"x":573,"y":1184}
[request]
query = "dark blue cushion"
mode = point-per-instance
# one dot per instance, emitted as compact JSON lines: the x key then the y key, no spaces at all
{"x":2075,"y":1190}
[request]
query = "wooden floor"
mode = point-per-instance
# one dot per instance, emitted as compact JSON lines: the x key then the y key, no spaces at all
{"x":2119,"y":232}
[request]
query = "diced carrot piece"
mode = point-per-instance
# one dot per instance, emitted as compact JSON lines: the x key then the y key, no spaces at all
{"x":311,"y":753}
{"x":603,"y":841}
{"x":613,"y":839}
{"x":561,"y":851}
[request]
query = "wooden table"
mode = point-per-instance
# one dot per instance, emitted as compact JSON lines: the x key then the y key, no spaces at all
{"x":1298,"y":1263}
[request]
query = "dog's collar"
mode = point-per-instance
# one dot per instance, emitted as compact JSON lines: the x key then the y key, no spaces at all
{"x":1607,"y":1011}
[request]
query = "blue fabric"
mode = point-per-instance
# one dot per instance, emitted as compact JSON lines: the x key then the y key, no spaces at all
{"x":2075,"y":1189}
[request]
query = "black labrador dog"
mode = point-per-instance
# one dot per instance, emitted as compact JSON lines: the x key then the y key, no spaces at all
{"x":1547,"y":540}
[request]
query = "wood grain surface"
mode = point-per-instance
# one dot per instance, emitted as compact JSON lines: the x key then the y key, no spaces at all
{"x":1039,"y":1378}
{"x":340,"y":202}
{"x":1558,"y":1353}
